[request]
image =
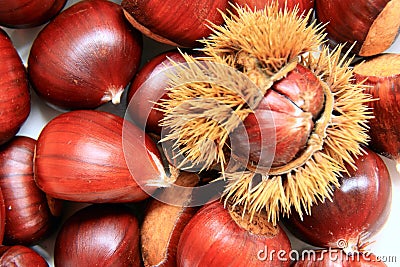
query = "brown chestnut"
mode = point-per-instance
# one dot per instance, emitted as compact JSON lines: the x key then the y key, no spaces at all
{"x":382,"y":75}
{"x":104,"y":234}
{"x":371,"y":25}
{"x":358,"y":210}
{"x":20,"y":256}
{"x":84,"y":156}
{"x":14,"y":91}
{"x":26,"y":13}
{"x":177,"y":23}
{"x":85,"y":57}
{"x":163,"y":224}
{"x":28,"y":216}
{"x":216,"y":236}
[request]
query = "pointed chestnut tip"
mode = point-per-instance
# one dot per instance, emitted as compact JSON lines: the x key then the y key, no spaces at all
{"x":114,"y":95}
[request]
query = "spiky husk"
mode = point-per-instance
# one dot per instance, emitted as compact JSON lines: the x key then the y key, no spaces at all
{"x":265,"y":45}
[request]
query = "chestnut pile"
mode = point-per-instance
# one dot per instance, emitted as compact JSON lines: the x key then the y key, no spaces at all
{"x":103,"y":161}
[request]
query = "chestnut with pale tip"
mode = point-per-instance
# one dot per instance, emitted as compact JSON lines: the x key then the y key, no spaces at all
{"x":357,"y":211}
{"x":85,"y":57}
{"x":370,"y":25}
{"x":177,"y":23}
{"x":382,"y":76}
{"x":28,"y":14}
{"x":14,"y":90}
{"x":29,"y":218}
{"x":102,"y":234}
{"x":83,"y":156}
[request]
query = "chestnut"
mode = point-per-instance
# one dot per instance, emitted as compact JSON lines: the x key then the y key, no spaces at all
{"x":102,"y":233}
{"x":177,"y":23}
{"x":21,"y":256}
{"x":284,"y":123}
{"x":370,"y":25}
{"x":29,"y":218}
{"x":357,"y":211}
{"x":163,"y":224}
{"x":14,"y":90}
{"x":381,"y":74}
{"x":27,"y":14}
{"x":85,"y":57}
{"x":217,"y":236}
{"x":96,"y":156}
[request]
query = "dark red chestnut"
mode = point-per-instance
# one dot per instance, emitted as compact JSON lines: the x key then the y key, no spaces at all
{"x":87,"y":156}
{"x":85,"y":57}
{"x":28,"y":216}
{"x":20,"y":256}
{"x":99,"y":234}
{"x":14,"y":90}
{"x":382,"y":75}
{"x":27,"y":13}
{"x":216,"y":236}
{"x":371,"y":25}
{"x":163,"y":224}
{"x":177,"y":23}
{"x":358,"y":209}
{"x":337,"y":258}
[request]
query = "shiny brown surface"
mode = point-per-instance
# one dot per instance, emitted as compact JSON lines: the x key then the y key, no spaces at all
{"x":102,"y":235}
{"x":14,"y":90}
{"x":28,"y":217}
{"x":85,"y":56}
{"x":179,"y":23}
{"x":283,"y":121}
{"x":20,"y":256}
{"x":384,"y":86}
{"x":348,"y":21}
{"x":359,"y":208}
{"x":27,"y":13}
{"x":80,"y":157}
{"x":213,"y":238}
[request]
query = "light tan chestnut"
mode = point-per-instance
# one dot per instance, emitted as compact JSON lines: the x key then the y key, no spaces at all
{"x":371,"y":25}
{"x":83,"y":156}
{"x":382,"y":75}
{"x":168,"y":221}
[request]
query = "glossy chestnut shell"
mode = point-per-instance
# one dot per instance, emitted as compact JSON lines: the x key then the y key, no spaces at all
{"x":103,"y":234}
{"x":28,"y":215}
{"x":358,"y":209}
{"x":214,"y":238}
{"x":177,"y":23}
{"x":82,"y":156}
{"x":27,"y":14}
{"x":14,"y":90}
{"x":85,"y":57}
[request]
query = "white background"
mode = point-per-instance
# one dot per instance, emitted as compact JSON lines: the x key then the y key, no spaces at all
{"x":385,"y":242}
